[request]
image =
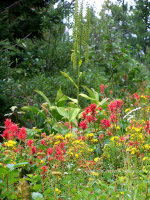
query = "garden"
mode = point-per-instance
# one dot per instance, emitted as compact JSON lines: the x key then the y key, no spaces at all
{"x":83,"y":132}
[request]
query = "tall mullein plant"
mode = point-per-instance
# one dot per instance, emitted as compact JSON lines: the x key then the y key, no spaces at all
{"x":81,"y":34}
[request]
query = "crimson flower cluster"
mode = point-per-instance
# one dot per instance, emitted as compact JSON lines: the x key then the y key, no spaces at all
{"x":105,"y":123}
{"x":12,"y":131}
{"x":115,"y":106}
{"x":89,"y":115}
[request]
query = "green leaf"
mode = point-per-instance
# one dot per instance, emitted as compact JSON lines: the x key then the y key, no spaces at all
{"x":63,"y":112}
{"x":60,"y":96}
{"x":45,"y":97}
{"x":73,"y":100}
{"x":67,"y":76}
{"x":34,"y":110}
{"x":73,"y":112}
{"x":89,"y":90}
{"x":85,"y":96}
{"x":95,"y":94}
{"x":103,"y":101}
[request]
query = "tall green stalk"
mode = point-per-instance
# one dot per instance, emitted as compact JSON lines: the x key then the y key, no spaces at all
{"x":81,"y":34}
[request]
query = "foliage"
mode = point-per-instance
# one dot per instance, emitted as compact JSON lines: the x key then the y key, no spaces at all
{"x":105,"y":156}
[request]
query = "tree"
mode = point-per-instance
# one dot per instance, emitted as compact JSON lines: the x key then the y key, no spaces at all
{"x":23,"y":17}
{"x":141,"y":22}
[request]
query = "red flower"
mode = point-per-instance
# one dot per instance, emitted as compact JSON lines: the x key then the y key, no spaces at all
{"x":81,"y":137}
{"x":105,"y":123}
{"x":83,"y":125}
{"x":99,"y":108}
{"x":136,"y":96}
{"x":33,"y":149}
{"x":115,"y":106}
{"x":93,"y":107}
{"x":43,"y":142}
{"x":102,"y":87}
{"x":113,"y":118}
{"x":29,"y":142}
{"x":11,"y":130}
{"x":44,"y":168}
{"x":109,"y":133}
{"x":101,"y":136}
{"x":22,"y":135}
{"x":121,"y":138}
{"x":49,"y":151}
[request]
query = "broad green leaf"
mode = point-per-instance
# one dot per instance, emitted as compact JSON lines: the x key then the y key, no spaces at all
{"x":63,"y":112}
{"x":67,"y":76}
{"x":34,"y":110}
{"x":73,"y":100}
{"x":85,"y":96}
{"x":89,"y":91}
{"x":95,"y":94}
{"x":60,"y":96}
{"x":45,"y":97}
{"x":73,"y":112}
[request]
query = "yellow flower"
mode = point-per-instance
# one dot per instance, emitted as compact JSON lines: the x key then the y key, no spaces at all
{"x":76,"y":155}
{"x":68,"y":136}
{"x":89,"y":136}
{"x":42,"y":162}
{"x":144,"y":158}
{"x":10,"y":143}
{"x":94,"y":173}
{"x":57,"y":190}
{"x":133,"y":151}
{"x":128,"y":110}
{"x":96,"y":159}
{"x":144,"y":97}
{"x":115,"y":138}
{"x":94,"y":140}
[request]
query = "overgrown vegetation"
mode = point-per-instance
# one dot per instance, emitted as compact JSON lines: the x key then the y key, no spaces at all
{"x":75,"y":109}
